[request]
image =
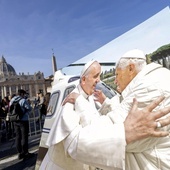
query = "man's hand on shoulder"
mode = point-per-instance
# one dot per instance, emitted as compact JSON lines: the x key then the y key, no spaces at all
{"x":71,"y":98}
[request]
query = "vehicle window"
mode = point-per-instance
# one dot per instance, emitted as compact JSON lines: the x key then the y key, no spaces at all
{"x":106,"y":90}
{"x":68,"y":90}
{"x":53,"y":103}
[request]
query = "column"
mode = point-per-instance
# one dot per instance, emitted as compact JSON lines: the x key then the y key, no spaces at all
{"x":30,"y":90}
{"x":16,"y":89}
{"x":5,"y":91}
{"x":10,"y":91}
{"x":44,"y":89}
{"x":36,"y":88}
{"x":2,"y":92}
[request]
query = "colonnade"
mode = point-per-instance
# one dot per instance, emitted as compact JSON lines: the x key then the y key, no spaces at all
{"x":31,"y":89}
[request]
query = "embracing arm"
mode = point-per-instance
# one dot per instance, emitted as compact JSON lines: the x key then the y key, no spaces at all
{"x":97,"y":144}
{"x":98,"y":136}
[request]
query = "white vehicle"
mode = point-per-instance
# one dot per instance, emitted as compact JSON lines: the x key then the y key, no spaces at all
{"x":61,"y":87}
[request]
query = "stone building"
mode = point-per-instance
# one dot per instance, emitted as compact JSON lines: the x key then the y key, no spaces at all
{"x":10,"y":82}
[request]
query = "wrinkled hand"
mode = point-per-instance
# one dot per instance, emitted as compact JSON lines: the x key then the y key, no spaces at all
{"x":140,"y":124}
{"x":99,"y":96}
{"x":71,"y":98}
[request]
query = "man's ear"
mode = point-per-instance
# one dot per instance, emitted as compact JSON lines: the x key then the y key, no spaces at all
{"x":83,"y":79}
{"x":132,"y":70}
{"x":131,"y":67}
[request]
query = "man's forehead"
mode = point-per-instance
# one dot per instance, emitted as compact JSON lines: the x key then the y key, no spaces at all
{"x":117,"y":69}
{"x":120,"y":71}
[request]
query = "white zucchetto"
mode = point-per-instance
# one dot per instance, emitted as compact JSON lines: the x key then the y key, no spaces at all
{"x":86,"y":66}
{"x":135,"y":53}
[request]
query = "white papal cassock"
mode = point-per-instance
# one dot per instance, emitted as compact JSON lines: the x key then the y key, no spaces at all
{"x":87,"y":137}
{"x":150,"y":83}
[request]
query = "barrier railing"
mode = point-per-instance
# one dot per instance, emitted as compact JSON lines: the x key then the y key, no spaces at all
{"x":36,"y":122}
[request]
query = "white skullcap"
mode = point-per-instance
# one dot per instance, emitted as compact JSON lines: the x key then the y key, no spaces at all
{"x":138,"y":54}
{"x":86,"y":66}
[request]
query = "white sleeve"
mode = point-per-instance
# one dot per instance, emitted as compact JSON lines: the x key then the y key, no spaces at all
{"x":69,"y":119}
{"x":109,"y":104}
{"x":149,"y":143}
{"x":86,"y":111}
{"x":100,"y":144}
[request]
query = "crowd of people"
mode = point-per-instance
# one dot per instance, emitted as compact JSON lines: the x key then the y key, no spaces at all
{"x":6,"y":126}
{"x":19,"y":130}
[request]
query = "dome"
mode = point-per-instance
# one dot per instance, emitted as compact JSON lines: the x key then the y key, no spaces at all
{"x":5,"y":68}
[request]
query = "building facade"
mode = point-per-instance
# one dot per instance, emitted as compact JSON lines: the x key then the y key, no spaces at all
{"x":10,"y":81}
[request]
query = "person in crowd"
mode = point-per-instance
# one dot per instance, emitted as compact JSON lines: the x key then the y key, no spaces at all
{"x":106,"y":141}
{"x":46,"y":102}
{"x":11,"y":123}
{"x":22,"y":126}
{"x":41,"y":105}
{"x":2,"y":123}
{"x":36,"y":100}
{"x":6,"y":111}
{"x":136,"y":79}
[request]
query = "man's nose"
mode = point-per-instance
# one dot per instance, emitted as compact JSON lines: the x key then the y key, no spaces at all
{"x":98,"y":79}
{"x":115,"y":81}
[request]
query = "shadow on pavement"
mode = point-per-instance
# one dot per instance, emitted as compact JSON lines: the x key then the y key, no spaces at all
{"x":28,"y":164}
{"x":9,"y":156}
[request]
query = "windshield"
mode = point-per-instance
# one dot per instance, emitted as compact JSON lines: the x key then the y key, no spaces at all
{"x":106,"y":90}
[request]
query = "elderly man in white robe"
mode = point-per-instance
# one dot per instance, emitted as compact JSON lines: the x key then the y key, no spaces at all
{"x":146,"y":83}
{"x":57,"y":157}
{"x":93,"y":139}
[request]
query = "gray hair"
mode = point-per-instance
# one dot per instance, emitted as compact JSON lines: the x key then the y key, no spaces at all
{"x":85,"y":74}
{"x":124,"y":62}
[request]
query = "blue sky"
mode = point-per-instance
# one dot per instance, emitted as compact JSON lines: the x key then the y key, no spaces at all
{"x":72,"y":28}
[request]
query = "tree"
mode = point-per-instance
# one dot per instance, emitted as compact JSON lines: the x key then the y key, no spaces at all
{"x":160,"y":53}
